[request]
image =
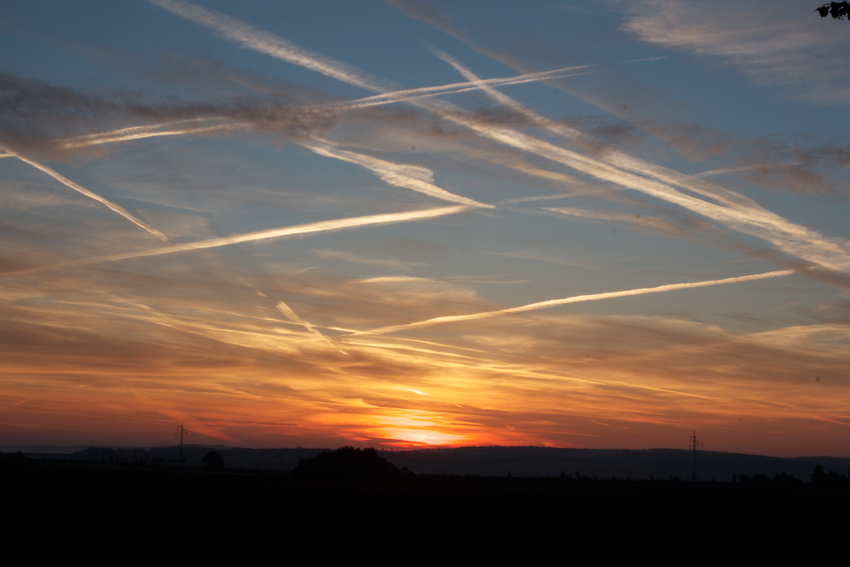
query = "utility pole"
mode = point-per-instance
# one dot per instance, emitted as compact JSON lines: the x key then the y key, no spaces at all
{"x":693,"y":447}
{"x":181,"y":431}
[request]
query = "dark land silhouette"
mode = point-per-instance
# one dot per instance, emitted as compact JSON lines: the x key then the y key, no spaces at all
{"x":161,"y":513}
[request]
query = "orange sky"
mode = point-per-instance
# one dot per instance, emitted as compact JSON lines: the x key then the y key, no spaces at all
{"x":287,"y":226}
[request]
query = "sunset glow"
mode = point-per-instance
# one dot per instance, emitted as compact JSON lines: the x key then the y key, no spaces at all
{"x":422,"y":223}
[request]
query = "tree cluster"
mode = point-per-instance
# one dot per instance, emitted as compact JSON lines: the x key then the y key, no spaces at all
{"x":349,"y":464}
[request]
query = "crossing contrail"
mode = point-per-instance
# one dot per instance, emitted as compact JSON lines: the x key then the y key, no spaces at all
{"x":466,"y":86}
{"x":287,"y":310}
{"x":211,"y":124}
{"x":728,"y":208}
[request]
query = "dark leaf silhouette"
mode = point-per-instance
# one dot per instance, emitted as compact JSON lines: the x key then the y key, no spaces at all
{"x":838,"y":10}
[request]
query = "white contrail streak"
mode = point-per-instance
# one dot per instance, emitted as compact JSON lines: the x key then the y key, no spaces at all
{"x":321,"y":226}
{"x":411,"y":177}
{"x":287,"y":310}
{"x":138,"y":132}
{"x":270,"y":44}
{"x":80,"y":189}
{"x":574,"y":299}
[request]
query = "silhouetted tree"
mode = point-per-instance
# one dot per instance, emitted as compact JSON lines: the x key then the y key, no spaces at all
{"x":838,"y":10}
{"x":213,"y":461}
{"x":818,"y":477}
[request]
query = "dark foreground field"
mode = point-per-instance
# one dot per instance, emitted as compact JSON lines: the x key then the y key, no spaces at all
{"x":85,"y":509}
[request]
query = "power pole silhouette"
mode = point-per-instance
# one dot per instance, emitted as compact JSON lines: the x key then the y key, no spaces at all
{"x":693,"y":447}
{"x":181,"y":431}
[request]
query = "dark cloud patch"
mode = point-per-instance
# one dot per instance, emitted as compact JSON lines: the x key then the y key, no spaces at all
{"x":422,"y":10}
{"x":33,"y":112}
{"x":799,"y":164}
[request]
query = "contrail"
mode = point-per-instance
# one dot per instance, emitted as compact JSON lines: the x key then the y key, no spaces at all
{"x":320,"y":226}
{"x":574,"y":299}
{"x":117,"y":208}
{"x":410,"y":177}
{"x":745,"y":168}
{"x":652,"y":222}
{"x":740,"y":213}
{"x":138,"y":132}
{"x":268,"y":43}
{"x":287,"y":310}
{"x":612,"y":156}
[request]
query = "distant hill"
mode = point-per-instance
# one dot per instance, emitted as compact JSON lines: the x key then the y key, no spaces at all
{"x":499,"y":461}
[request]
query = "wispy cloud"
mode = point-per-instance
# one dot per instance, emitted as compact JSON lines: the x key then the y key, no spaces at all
{"x":790,"y":46}
{"x":391,"y":279}
{"x":350,"y":257}
{"x":411,"y":177}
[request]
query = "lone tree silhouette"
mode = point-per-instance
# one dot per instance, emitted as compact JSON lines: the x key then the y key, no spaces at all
{"x":838,"y":10}
{"x":213,"y":461}
{"x":348,"y":464}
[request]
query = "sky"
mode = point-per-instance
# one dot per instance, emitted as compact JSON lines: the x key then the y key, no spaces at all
{"x":417,"y":223}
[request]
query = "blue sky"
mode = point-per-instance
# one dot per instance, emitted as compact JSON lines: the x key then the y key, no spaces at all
{"x":413,"y":223}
